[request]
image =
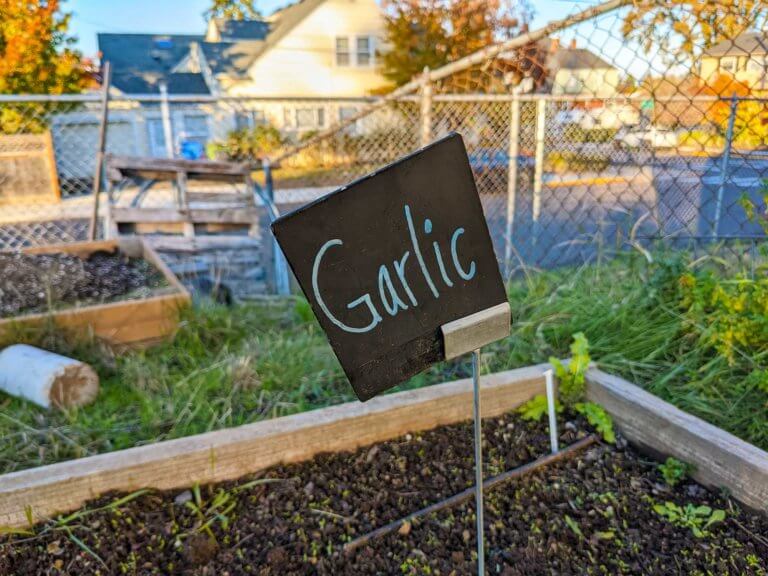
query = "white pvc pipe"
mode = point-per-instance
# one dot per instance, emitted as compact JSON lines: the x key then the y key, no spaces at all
{"x":552,"y":411}
{"x":45,"y":378}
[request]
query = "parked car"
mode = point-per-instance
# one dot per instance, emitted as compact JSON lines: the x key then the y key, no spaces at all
{"x":491,"y":159}
{"x":652,"y":137}
{"x":491,"y":168}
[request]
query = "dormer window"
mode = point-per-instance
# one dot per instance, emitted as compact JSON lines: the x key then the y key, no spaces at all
{"x":163,"y":43}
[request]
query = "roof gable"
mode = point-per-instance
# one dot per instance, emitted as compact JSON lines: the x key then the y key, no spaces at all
{"x":577,"y":59}
{"x":745,"y":44}
{"x":140,"y":61}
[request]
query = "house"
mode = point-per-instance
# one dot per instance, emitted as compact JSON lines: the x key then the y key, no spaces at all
{"x":549,"y":67}
{"x":313,"y":48}
{"x":745,"y":58}
{"x":322,"y":48}
{"x":576,"y":71}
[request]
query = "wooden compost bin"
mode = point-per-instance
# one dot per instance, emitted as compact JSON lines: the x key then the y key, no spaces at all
{"x":124,"y":323}
{"x":720,"y":459}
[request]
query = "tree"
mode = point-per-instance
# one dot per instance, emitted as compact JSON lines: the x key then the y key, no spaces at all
{"x":35,"y":50}
{"x":750,"y":127}
{"x":433,"y":33}
{"x":35,"y":58}
{"x":695,"y":24}
{"x":232,"y":10}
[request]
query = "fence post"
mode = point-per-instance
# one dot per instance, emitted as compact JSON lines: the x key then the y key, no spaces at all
{"x":724,"y":165}
{"x":513,"y":152}
{"x":165,"y":112}
{"x":426,"y":108}
{"x":101,"y":146}
{"x":538,"y":174}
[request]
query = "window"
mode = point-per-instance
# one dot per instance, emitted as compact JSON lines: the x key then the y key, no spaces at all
{"x":364,"y":51}
{"x":345,"y":113}
{"x":573,"y":85}
{"x":728,"y":64}
{"x":309,"y":118}
{"x":343,"y":57}
{"x":756,"y":64}
{"x":249,"y":119}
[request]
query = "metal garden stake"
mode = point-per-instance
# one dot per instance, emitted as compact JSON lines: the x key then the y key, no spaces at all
{"x":478,"y":462}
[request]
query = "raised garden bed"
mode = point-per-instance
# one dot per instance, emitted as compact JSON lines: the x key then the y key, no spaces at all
{"x":601,"y":508}
{"x":118,"y":290}
{"x":556,"y":520}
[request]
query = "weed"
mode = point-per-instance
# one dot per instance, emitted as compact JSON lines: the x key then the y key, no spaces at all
{"x":536,"y":407}
{"x":598,"y":418}
{"x":674,"y":471}
{"x":571,"y":380}
{"x":698,"y":518}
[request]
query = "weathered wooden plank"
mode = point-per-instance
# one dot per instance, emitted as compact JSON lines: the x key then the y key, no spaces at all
{"x":167,"y":168}
{"x":227,"y":454}
{"x":721,"y":459}
{"x":28,"y":169}
{"x":223,"y":215}
{"x":476,"y":330}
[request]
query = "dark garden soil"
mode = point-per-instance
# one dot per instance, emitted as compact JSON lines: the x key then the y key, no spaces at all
{"x":590,"y":514}
{"x":32,"y":283}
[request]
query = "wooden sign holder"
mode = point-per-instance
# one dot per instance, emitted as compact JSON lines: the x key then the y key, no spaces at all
{"x":470,"y":334}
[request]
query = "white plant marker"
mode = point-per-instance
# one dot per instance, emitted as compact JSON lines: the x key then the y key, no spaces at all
{"x":552,"y":411}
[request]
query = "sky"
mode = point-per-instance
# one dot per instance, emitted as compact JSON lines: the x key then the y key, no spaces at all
{"x":186,"y":16}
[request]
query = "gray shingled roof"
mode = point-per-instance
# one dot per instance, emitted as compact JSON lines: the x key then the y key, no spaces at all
{"x":140,"y":61}
{"x":231,"y":58}
{"x":743,"y":45}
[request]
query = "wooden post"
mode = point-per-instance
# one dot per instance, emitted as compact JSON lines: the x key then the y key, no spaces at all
{"x":426,"y":108}
{"x":98,"y":172}
{"x":513,"y":152}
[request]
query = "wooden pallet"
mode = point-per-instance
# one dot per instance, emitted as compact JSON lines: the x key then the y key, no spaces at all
{"x":720,"y":459}
{"x":130,"y":322}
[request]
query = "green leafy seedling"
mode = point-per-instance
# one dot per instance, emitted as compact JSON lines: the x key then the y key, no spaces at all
{"x":674,"y":471}
{"x":598,"y":418}
{"x":698,"y":518}
{"x":572,"y":380}
{"x":536,"y":407}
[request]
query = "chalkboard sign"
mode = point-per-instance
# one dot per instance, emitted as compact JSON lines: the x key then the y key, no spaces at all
{"x":390,"y":258}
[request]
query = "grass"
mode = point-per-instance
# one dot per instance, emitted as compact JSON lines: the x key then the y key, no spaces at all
{"x":229,"y":367}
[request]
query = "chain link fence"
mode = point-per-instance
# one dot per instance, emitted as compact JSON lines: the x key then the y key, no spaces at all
{"x":584,"y":139}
